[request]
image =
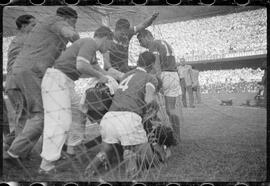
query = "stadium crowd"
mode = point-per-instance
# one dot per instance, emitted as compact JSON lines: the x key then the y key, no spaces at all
{"x":230,"y":81}
{"x":203,"y":38}
{"x":213,"y":37}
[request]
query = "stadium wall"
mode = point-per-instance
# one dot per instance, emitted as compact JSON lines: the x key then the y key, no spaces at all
{"x":253,"y":62}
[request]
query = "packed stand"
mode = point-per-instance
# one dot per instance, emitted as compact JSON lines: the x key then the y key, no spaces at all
{"x":230,"y":81}
{"x":213,"y":37}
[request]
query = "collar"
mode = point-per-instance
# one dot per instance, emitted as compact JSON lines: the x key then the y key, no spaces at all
{"x":140,"y":68}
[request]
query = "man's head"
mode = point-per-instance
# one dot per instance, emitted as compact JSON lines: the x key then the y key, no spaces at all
{"x":146,"y":60}
{"x":182,"y":61}
{"x":122,"y":24}
{"x":103,"y":36}
{"x":145,"y":37}
{"x":25,"y":23}
{"x":68,"y":14}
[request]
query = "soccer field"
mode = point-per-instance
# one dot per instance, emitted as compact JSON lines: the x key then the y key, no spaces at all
{"x":218,"y":143}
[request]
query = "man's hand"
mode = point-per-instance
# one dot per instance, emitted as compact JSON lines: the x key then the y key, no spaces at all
{"x":155,"y":15}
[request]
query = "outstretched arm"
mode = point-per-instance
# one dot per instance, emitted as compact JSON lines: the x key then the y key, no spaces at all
{"x":146,"y":23}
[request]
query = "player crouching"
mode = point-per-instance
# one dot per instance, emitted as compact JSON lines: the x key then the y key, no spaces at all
{"x":123,"y":123}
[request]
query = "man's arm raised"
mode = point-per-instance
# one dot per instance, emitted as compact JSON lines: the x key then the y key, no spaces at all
{"x":146,"y":23}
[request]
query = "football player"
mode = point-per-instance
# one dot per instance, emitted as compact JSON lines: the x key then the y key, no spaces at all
{"x":116,"y":60}
{"x":122,"y":124}
{"x":165,"y":69}
{"x":59,"y":97}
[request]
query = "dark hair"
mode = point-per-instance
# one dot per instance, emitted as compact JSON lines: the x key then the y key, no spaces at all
{"x":23,"y":20}
{"x":146,"y":59}
{"x":67,"y":12}
{"x":143,"y":33}
{"x":122,"y":24}
{"x":104,"y":31}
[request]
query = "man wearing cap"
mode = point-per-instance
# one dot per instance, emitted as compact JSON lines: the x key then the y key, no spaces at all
{"x":41,"y":48}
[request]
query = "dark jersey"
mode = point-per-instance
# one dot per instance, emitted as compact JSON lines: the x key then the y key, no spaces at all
{"x":84,"y":49}
{"x":119,"y":51}
{"x":165,"y":51}
{"x":131,"y":92}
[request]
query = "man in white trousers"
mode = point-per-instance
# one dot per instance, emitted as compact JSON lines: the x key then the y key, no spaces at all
{"x":58,"y":93}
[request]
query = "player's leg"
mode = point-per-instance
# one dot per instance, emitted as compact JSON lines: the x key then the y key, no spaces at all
{"x":172,"y":90}
{"x":109,"y":139}
{"x":183,"y":88}
{"x":18,"y":104}
{"x":77,"y":129}
{"x":30,"y":89}
{"x":175,"y":112}
{"x":198,"y":94}
{"x":58,"y":116}
{"x":101,"y":159}
{"x":132,"y":133}
{"x":190,"y":96}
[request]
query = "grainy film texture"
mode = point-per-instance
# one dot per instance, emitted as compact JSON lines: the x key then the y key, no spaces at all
{"x":113,"y":93}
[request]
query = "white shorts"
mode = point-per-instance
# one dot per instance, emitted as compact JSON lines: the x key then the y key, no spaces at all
{"x":171,"y":84}
{"x":122,"y":127}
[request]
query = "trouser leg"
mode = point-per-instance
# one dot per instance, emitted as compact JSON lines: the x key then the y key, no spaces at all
{"x":25,"y":141}
{"x":191,"y":96}
{"x":18,"y":103}
{"x":183,"y":88}
{"x":174,"y":111}
{"x":58,"y":115}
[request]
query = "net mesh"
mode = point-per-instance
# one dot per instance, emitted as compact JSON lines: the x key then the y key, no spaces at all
{"x":212,"y":137}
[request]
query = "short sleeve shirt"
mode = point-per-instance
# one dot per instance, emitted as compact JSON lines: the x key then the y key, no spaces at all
{"x":119,"y":50}
{"x":131,"y":92}
{"x":84,"y":49}
{"x":165,"y":51}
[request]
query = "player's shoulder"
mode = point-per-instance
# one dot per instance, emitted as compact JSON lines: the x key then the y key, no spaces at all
{"x":89,"y":42}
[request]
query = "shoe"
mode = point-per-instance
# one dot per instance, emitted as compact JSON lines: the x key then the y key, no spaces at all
{"x":160,"y":152}
{"x":10,"y":160}
{"x":47,"y":172}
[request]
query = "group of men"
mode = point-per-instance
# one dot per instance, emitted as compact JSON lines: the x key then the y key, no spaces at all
{"x":40,"y":85}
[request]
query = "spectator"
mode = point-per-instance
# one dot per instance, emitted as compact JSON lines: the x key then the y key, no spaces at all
{"x":185,"y":75}
{"x":195,"y":84}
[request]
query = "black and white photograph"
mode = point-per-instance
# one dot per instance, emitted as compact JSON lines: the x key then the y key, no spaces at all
{"x":134,"y":93}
